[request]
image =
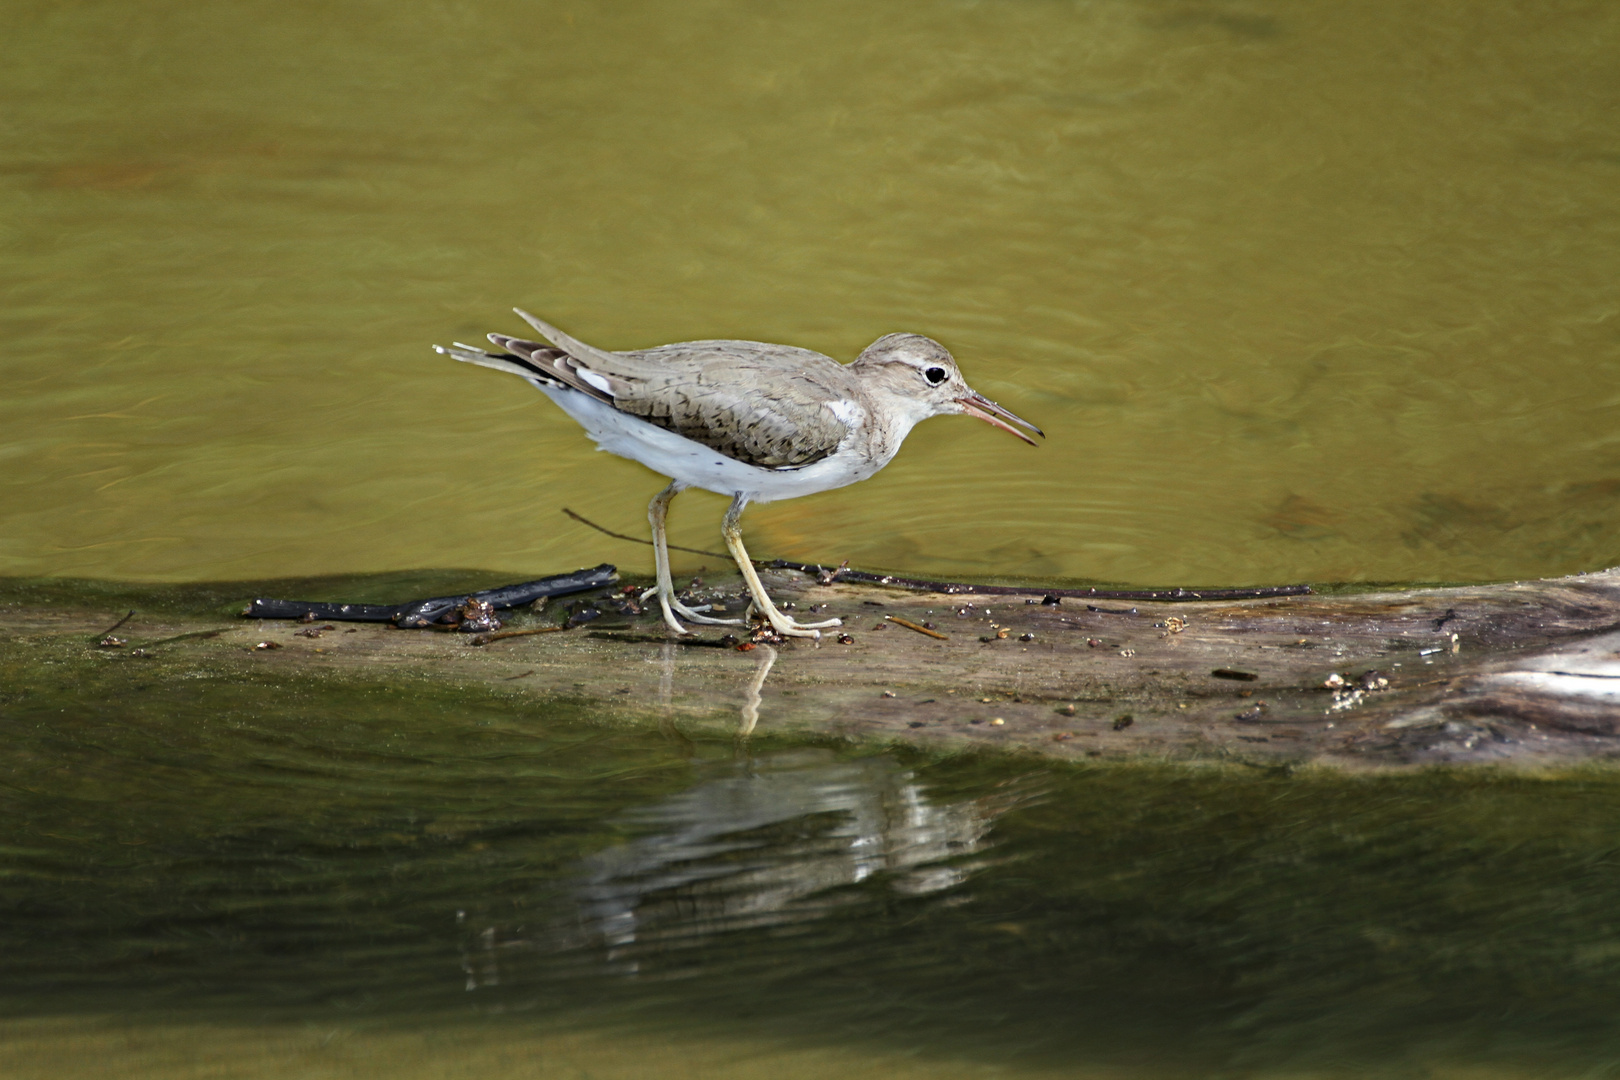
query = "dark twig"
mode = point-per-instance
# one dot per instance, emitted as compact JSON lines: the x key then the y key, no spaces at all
{"x":724,"y":642}
{"x":843,"y":573}
{"x":186,"y":637}
{"x":114,"y":626}
{"x":827,"y":577}
{"x":422,"y":613}
{"x":485,"y":639}
{"x":639,"y":540}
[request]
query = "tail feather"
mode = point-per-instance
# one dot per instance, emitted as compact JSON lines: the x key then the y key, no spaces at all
{"x":542,"y":365}
{"x":510,"y":363}
{"x":541,"y":355}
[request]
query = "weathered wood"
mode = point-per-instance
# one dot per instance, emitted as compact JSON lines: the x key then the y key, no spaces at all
{"x":1525,"y":673}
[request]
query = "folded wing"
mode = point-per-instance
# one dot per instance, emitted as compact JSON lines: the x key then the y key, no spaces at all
{"x":772,"y":406}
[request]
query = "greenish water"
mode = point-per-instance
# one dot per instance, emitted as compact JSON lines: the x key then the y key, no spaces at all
{"x":263,"y":877}
{"x":1300,"y":292}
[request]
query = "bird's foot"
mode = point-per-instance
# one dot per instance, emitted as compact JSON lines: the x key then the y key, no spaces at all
{"x":690,"y":614}
{"x":673,"y":607}
{"x":788,"y":626}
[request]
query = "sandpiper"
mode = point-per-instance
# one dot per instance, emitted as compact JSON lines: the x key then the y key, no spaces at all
{"x":754,"y":421}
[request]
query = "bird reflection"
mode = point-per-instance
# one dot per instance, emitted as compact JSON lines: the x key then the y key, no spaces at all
{"x":765,"y":841}
{"x":751,"y":695}
{"x":752,"y":691}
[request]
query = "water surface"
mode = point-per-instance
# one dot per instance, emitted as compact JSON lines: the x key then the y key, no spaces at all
{"x":1299,"y":291}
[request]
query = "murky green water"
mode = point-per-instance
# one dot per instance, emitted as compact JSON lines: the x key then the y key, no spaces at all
{"x":1317,"y":292}
{"x":255,"y":877}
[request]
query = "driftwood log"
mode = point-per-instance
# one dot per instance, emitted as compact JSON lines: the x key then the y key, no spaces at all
{"x":1526,"y":673}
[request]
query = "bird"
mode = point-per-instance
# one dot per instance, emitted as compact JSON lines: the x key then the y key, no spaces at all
{"x":753,"y":421}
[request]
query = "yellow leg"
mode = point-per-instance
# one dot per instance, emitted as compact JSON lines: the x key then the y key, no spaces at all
{"x":657,"y":512}
{"x":779,"y":622}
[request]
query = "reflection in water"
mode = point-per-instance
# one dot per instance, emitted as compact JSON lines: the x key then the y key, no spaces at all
{"x":766,"y":842}
{"x":766,"y":659}
{"x":751,"y":696}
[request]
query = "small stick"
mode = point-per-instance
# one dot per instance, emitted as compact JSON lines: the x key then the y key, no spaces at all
{"x":909,"y":625}
{"x":116,"y":625}
{"x":656,"y":639}
{"x":524,"y":675}
{"x":485,"y":639}
{"x":843,"y":573}
{"x":184,"y":637}
{"x":639,"y":540}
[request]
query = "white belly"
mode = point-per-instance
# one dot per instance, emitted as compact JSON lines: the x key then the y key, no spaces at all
{"x":695,"y":465}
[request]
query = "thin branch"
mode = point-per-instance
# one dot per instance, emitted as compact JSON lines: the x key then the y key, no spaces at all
{"x":485,"y":639}
{"x":116,"y":625}
{"x":827,"y":577}
{"x":639,"y":540}
{"x":187,"y":637}
{"x":909,"y":625}
{"x":843,"y":573}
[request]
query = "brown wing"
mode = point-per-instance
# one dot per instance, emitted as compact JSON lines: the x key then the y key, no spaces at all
{"x":765,"y":405}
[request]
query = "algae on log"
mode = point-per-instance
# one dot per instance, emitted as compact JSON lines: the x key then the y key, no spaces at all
{"x":1525,"y":673}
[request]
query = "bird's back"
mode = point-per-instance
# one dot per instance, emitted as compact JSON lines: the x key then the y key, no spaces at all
{"x":771,"y":406}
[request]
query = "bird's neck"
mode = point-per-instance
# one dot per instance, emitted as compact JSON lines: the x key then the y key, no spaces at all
{"x":891,"y":420}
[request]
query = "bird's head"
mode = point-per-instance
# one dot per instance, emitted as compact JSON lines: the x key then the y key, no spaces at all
{"x":919,"y":379}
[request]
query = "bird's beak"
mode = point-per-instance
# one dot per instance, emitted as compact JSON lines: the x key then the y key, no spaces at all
{"x":982,"y":408}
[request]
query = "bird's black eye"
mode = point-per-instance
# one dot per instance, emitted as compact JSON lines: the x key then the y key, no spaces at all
{"x":934,"y":375}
